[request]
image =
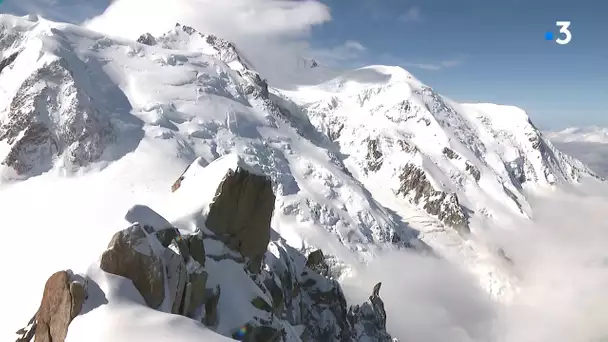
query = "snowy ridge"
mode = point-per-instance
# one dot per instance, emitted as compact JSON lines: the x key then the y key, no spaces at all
{"x":191,"y":269}
{"x":186,"y":38}
{"x":533,"y":158}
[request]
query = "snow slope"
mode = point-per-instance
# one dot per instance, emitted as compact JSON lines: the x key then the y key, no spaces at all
{"x":369,"y":161}
{"x":390,"y":125}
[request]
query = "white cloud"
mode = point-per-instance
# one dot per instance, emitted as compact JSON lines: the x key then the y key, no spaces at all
{"x":413,"y":14}
{"x":560,"y":258}
{"x":434,"y":66}
{"x":271,"y":33}
{"x":354,"y":45}
{"x":391,"y":59}
{"x":350,"y":52}
{"x":230,"y":18}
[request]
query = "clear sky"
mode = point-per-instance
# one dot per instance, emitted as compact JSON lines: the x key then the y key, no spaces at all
{"x":488,"y":50}
{"x":469,"y":50}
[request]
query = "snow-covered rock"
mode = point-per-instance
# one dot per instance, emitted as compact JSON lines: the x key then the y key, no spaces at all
{"x":282,"y":301}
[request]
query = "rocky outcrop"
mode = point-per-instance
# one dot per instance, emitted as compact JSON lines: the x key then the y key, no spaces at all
{"x":50,"y":116}
{"x":8,"y":60}
{"x":147,"y":39}
{"x":369,"y":320}
{"x":374,"y":155}
{"x":329,"y":313}
{"x":241,"y":211}
{"x":130,"y":254}
{"x":62,"y":301}
{"x":445,"y":206}
{"x":316,"y":262}
{"x":473,"y":170}
{"x":305,"y":297}
{"x":448,"y":152}
{"x":292,"y":296}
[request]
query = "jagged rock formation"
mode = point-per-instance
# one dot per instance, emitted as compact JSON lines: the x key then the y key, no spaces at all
{"x":369,"y":319}
{"x":51,"y":115}
{"x":170,"y":270}
{"x":316,"y":262}
{"x":445,"y":206}
{"x":130,"y":254}
{"x":62,"y":301}
{"x":8,"y":60}
{"x":250,"y":196}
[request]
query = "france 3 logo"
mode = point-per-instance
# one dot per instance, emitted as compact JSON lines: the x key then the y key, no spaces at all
{"x":564,"y":36}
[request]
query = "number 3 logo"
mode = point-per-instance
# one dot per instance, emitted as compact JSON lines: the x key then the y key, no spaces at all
{"x":563,"y":28}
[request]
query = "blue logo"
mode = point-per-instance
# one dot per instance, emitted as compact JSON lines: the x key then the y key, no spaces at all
{"x":548,"y":35}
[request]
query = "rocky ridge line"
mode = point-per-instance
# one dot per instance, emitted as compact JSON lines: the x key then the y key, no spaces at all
{"x":154,"y":255}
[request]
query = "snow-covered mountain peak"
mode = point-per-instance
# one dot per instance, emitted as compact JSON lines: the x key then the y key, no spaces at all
{"x":450,"y":159}
{"x":183,"y":37}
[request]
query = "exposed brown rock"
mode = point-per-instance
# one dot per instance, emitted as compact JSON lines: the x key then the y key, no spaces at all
{"x":61,"y":301}
{"x":242,"y":210}
{"x":130,"y":255}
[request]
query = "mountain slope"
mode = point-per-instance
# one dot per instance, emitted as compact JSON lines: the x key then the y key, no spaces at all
{"x":449,"y":159}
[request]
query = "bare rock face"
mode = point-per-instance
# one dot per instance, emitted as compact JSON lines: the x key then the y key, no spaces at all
{"x":61,"y":302}
{"x":147,"y":39}
{"x":328,"y":322}
{"x":177,"y":276}
{"x":316,"y":262}
{"x":445,"y":206}
{"x":8,"y":61}
{"x":374,"y":155}
{"x":242,"y":210}
{"x":49,"y":116}
{"x":369,"y":320}
{"x":131,"y":255}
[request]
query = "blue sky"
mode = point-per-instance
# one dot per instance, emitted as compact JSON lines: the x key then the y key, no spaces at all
{"x":487,"y":50}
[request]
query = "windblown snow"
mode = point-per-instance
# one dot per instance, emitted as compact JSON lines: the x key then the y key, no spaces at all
{"x":368,"y":163}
